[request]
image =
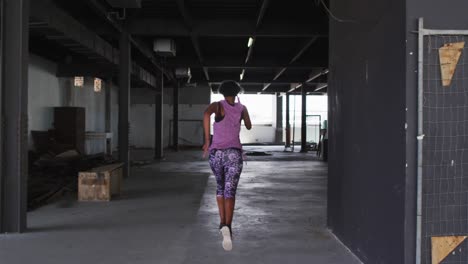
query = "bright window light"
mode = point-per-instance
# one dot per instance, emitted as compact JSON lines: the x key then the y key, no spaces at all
{"x":97,"y":85}
{"x":79,"y":81}
{"x":249,"y":44}
{"x":261,"y":107}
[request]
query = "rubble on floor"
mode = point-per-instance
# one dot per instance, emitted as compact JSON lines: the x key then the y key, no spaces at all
{"x":54,"y":168}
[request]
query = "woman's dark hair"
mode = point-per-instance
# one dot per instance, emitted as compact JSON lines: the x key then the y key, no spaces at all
{"x":229,"y":88}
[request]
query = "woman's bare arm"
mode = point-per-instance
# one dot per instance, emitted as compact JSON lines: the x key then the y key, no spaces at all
{"x":246,"y":117}
{"x":206,"y":124}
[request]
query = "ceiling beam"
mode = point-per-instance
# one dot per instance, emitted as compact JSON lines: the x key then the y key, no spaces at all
{"x":260,"y":16}
{"x":277,"y":88}
{"x":223,"y":28}
{"x":254,"y":82}
{"x":262,"y":79}
{"x":234,"y":63}
{"x":56,"y":25}
{"x":321,"y":87}
{"x":147,"y":52}
{"x":303,"y":49}
{"x":193,"y":36}
{"x":314,"y":75}
{"x":104,"y":71}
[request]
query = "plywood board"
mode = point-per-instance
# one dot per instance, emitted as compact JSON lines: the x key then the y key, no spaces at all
{"x":449,"y":56}
{"x":443,"y":246}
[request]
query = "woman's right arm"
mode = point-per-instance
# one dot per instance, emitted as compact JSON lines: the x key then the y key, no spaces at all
{"x":246,"y":117}
{"x":206,"y":125}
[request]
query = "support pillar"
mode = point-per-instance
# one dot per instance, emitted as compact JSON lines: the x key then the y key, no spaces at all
{"x":175,"y":122}
{"x":14,"y":105}
{"x":279,"y":119}
{"x":108,"y":115}
{"x":304,"y":119}
{"x":288,"y":123}
{"x":158,"y":125}
{"x":124,"y":102}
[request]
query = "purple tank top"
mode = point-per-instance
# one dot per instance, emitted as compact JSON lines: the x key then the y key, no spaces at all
{"x":226,"y":132}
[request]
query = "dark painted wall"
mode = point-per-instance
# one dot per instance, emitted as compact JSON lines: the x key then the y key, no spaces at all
{"x":438,"y":15}
{"x":367,"y":100}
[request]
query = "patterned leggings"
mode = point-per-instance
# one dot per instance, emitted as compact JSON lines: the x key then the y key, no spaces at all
{"x":226,"y":165}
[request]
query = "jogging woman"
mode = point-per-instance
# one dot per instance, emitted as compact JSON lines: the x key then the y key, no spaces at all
{"x":225,"y":152}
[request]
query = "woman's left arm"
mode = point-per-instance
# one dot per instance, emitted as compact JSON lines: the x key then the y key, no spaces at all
{"x":246,"y":117}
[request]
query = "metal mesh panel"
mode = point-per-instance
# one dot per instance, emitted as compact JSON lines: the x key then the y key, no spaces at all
{"x":445,"y":151}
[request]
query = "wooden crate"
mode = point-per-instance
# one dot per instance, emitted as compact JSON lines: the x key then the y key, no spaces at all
{"x":101,"y":183}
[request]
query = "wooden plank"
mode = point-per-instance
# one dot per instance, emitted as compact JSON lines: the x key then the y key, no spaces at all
{"x":443,"y":246}
{"x":449,"y":56}
{"x":109,"y":167}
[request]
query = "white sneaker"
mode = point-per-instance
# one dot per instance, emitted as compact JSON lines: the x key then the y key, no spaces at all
{"x":227,"y":241}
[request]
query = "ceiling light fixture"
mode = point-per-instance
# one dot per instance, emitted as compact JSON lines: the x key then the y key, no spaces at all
{"x":250,"y":43}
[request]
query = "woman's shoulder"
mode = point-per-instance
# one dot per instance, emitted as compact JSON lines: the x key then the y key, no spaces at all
{"x":213,"y":107}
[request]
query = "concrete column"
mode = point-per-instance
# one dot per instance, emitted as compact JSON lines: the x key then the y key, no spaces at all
{"x":175,"y":122}
{"x":158,"y":125}
{"x":108,"y":115}
{"x":14,"y":105}
{"x":288,"y":123}
{"x":304,"y":119}
{"x":279,"y":119}
{"x":124,"y":101}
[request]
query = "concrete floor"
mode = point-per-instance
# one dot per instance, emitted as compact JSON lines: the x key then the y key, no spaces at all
{"x":168,"y":214}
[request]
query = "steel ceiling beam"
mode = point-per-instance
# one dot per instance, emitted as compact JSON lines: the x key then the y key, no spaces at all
{"x":58,"y":26}
{"x":105,"y":71}
{"x":222,"y":28}
{"x":233,"y":62}
{"x":321,"y":87}
{"x":260,"y":16}
{"x":147,"y":52}
{"x":256,"y":83}
{"x":277,"y":88}
{"x":193,"y":36}
{"x":315,"y":74}
{"x":259,"y":79}
{"x":304,"y":48}
{"x":67,"y":31}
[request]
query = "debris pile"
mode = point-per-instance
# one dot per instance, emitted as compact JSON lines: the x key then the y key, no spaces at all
{"x":54,"y":167}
